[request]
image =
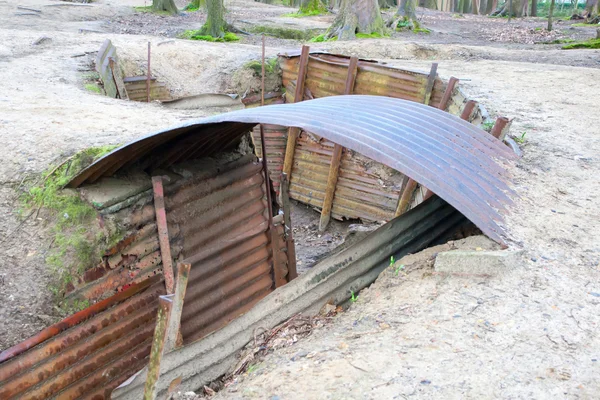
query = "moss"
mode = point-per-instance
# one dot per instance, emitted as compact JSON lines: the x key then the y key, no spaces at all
{"x":313,"y":7}
{"x":271,"y":66}
{"x":421,"y":30}
{"x":148,"y":9}
{"x":283,"y":33}
{"x":76,"y":245}
{"x":557,"y":41}
{"x":322,"y":38}
{"x":588,"y":44}
{"x":196,"y":35}
{"x":92,"y":87}
{"x":583,"y":25}
{"x":374,"y":35}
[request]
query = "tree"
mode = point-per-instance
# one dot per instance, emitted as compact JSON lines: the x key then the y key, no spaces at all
{"x":312,"y":6}
{"x":516,"y":7}
{"x":215,"y":24}
{"x":357,"y":16}
{"x":592,"y":11}
{"x":165,"y":5}
{"x":407,"y":13}
{"x":550,"y":15}
{"x":196,"y":5}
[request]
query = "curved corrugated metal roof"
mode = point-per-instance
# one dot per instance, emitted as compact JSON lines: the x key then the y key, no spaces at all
{"x":459,"y":162}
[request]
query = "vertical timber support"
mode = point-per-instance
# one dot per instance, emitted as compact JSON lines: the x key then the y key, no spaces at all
{"x":468,"y":110}
{"x":174,"y":338}
{"x":411,"y":185}
{"x":289,"y":235}
{"x":278,"y":277}
{"x":334,"y":168}
{"x":500,"y":128}
{"x":165,"y":304}
{"x":293,"y":132}
{"x":163,"y":233}
{"x":148,"y":76}
{"x":448,"y":93}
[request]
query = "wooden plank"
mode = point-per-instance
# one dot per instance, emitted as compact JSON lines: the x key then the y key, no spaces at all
{"x":165,"y":304}
{"x":118,"y":78}
{"x":294,"y":132}
{"x":163,"y":233}
{"x":430,"y":82}
{"x":334,"y":168}
{"x":405,"y":198}
{"x":174,"y":338}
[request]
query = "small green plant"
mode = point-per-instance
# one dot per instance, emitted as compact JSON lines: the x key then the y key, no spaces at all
{"x":487,"y":126}
{"x":583,"y":25}
{"x":252,"y":368}
{"x":520,"y":139}
{"x":421,"y":30}
{"x":195,"y":35}
{"x":322,"y":38}
{"x":301,"y":14}
{"x":399,"y":268}
{"x":392,"y":261}
{"x":353,"y":297}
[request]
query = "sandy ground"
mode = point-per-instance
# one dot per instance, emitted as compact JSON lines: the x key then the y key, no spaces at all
{"x":529,"y":334}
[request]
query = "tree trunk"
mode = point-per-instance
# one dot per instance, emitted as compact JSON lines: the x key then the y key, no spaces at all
{"x":196,"y":5}
{"x":592,"y":9}
{"x":308,"y":6}
{"x":386,"y":3}
{"x":357,"y":16}
{"x":165,"y":5}
{"x":550,"y":15}
{"x":215,"y":24}
{"x":407,"y":10}
{"x":515,"y":7}
{"x":534,"y":8}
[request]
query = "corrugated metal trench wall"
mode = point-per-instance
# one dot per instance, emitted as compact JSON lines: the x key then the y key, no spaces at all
{"x":218,"y":221}
{"x":365,"y":189}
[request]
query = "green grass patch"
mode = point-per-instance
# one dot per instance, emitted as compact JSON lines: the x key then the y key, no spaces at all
{"x":76,"y":245}
{"x":92,"y":87}
{"x":421,"y":30}
{"x":588,"y":44}
{"x":583,"y":25}
{"x":195,"y":35}
{"x":322,"y":38}
{"x":283,"y":33}
{"x":308,"y":13}
{"x":373,"y":35}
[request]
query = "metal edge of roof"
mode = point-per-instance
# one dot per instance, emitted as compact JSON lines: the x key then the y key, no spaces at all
{"x":457,"y":161}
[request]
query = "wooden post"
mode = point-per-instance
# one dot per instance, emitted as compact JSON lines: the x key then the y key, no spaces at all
{"x":165,"y":304}
{"x":148,"y":76}
{"x":448,"y":93}
{"x":468,"y":110}
{"x":430,"y":83}
{"x":500,"y":127}
{"x":174,"y":338}
{"x":289,"y":235}
{"x":334,"y":167}
{"x":293,"y":132}
{"x":405,"y":197}
{"x":163,"y":232}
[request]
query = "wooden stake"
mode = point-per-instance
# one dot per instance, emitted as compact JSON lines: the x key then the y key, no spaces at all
{"x":148,"y":76}
{"x":293,"y":132}
{"x":334,"y":167}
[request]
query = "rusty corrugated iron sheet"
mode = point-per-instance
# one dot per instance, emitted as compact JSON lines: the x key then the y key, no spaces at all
{"x":326,"y":76}
{"x":454,"y":159}
{"x":275,"y":138}
{"x":217,"y":221}
{"x":91,"y":357}
{"x":332,"y":279}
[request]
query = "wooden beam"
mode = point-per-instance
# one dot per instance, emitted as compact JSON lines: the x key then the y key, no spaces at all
{"x":163,"y":233}
{"x":334,"y":167}
{"x":293,"y":132}
{"x":174,"y":338}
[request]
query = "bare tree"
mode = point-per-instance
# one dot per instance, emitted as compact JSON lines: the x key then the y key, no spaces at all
{"x":550,"y":15}
{"x":357,"y":16}
{"x":592,"y":11}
